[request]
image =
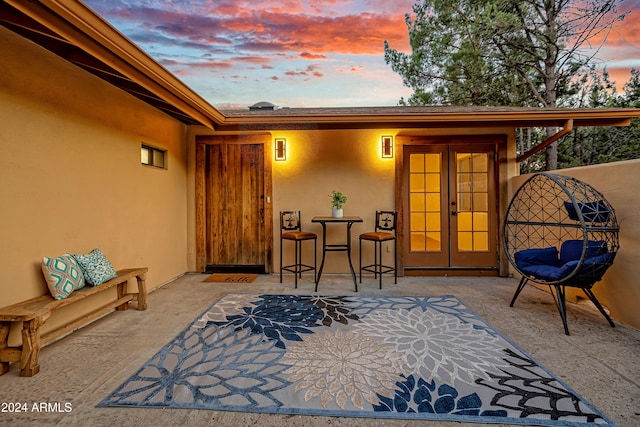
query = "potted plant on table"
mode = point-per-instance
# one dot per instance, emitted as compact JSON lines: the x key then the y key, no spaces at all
{"x":337,"y":200}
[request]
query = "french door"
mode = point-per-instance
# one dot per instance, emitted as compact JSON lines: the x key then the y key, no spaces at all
{"x":449,"y":206}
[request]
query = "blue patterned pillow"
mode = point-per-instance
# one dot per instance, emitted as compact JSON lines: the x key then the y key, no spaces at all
{"x":63,"y":275}
{"x":97,"y":268}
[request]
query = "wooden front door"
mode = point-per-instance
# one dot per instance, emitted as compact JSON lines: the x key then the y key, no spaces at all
{"x":449,"y":206}
{"x":233,"y":192}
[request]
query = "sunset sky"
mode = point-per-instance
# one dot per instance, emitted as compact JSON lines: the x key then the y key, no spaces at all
{"x":295,"y":53}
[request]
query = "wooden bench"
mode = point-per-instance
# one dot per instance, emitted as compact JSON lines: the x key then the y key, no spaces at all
{"x":36,"y":311}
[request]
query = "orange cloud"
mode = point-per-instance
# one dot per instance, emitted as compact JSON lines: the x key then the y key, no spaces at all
{"x":307,"y":55}
{"x":272,"y":27}
{"x":619,"y":75}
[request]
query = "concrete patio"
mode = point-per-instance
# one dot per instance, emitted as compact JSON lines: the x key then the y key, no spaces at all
{"x":599,"y":362}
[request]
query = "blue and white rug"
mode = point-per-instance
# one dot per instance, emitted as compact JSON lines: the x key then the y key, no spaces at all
{"x":429,"y":358}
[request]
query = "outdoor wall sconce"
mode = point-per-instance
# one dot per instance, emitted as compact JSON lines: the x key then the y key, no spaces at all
{"x":387,"y":147}
{"x":281,"y":149}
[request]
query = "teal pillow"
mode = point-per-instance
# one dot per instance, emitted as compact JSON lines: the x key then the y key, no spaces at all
{"x":63,"y":275}
{"x":96,"y":267}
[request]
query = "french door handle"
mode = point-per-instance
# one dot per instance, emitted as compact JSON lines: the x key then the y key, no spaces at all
{"x":454,"y":213}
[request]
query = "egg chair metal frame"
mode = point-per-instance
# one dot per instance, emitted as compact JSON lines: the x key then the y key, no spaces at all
{"x":561,"y":232}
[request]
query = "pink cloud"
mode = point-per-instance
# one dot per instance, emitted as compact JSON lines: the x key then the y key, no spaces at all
{"x":307,"y":55}
{"x":309,"y":72}
{"x":252,"y":59}
{"x":285,"y":26}
{"x":194,"y":68}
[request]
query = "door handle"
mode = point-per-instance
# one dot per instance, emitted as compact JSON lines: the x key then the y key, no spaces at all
{"x":454,"y":213}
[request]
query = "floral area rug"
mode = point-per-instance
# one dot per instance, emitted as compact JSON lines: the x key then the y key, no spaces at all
{"x":429,"y":358}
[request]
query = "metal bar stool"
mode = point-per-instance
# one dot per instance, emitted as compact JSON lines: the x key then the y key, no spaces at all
{"x":384,"y":232}
{"x":290,"y":230}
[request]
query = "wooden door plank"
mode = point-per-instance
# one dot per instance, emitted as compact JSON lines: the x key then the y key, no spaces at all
{"x":200,"y":206}
{"x":216,"y":203}
{"x":233,"y":213}
{"x":247,"y":203}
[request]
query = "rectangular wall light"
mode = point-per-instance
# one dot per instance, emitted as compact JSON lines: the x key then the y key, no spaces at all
{"x":281,"y":149}
{"x":387,"y":146}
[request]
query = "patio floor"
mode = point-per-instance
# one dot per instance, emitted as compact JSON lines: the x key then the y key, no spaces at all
{"x":599,"y":362}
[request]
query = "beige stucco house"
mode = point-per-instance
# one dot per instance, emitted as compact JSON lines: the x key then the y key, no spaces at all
{"x":83,"y":109}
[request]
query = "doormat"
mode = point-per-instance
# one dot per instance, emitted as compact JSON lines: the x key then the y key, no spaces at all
{"x":231,"y":278}
{"x":394,"y":357}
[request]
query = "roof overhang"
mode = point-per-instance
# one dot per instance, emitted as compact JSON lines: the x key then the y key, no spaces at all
{"x":74,"y":32}
{"x":421,"y":117}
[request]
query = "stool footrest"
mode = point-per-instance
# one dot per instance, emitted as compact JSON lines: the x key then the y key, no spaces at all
{"x":377,"y":268}
{"x":300,"y":268}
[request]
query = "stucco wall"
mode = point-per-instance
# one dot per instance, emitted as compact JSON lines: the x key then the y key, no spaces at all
{"x":319,"y":162}
{"x":71,"y":178}
{"x":348,"y":161}
{"x":618,"y":291}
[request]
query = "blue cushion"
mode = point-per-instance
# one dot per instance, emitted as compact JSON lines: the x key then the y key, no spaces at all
{"x":544,"y":272}
{"x":572,"y":249}
{"x":564,"y":271}
{"x":604,"y":259}
{"x":597,"y":211}
{"x":537,"y":256}
{"x":551,"y":273}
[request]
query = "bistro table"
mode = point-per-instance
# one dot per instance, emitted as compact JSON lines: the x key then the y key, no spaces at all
{"x":345,"y":247}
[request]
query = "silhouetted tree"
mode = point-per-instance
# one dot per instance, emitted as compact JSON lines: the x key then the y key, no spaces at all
{"x":501,"y":52}
{"x":593,"y":145}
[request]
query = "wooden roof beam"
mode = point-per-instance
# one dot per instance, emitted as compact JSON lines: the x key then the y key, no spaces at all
{"x":568,"y":127}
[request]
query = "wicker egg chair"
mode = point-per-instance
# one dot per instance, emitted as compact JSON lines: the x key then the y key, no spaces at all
{"x":560,"y":231}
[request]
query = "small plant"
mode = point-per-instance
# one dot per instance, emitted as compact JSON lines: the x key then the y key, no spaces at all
{"x":337,"y":199}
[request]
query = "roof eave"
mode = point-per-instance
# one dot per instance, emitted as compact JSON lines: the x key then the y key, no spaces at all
{"x":530,"y":118}
{"x":110,"y":55}
{"x":82,"y":27}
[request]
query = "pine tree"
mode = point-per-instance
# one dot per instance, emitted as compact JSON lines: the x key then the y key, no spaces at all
{"x":501,"y":52}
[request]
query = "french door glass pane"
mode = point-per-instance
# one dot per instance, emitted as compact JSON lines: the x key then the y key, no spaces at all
{"x":418,"y":242}
{"x":473,"y":207}
{"x":424,"y":201}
